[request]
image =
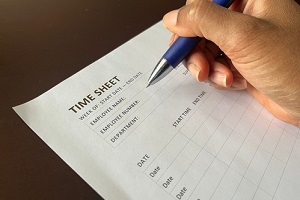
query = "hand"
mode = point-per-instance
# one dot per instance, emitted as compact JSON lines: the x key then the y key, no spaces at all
{"x":253,"y":45}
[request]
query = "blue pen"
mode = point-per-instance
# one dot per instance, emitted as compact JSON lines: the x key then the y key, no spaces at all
{"x":177,"y":52}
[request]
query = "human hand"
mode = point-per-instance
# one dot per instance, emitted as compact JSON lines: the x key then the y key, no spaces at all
{"x":260,"y":44}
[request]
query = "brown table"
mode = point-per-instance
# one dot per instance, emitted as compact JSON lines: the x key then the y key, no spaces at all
{"x":43,"y":42}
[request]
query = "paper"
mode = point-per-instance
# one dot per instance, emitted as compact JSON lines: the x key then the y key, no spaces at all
{"x":177,"y":139}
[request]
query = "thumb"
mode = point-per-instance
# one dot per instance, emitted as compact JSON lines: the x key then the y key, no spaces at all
{"x":204,"y":18}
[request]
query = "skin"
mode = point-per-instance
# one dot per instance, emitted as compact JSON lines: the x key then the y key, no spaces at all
{"x":253,"y":45}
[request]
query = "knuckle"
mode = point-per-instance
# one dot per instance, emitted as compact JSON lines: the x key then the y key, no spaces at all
{"x":198,"y":14}
{"x":193,"y":14}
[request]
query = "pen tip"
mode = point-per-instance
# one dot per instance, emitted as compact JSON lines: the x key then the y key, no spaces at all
{"x":148,"y":85}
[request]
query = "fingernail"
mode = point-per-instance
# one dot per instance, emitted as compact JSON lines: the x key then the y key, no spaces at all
{"x":194,"y":70}
{"x":170,"y":19}
{"x":218,"y":78}
{"x":172,"y":40}
{"x":239,"y":84}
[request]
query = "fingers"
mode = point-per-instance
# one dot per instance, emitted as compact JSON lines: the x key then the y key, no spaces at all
{"x":205,"y":64}
{"x":220,"y":74}
{"x":197,"y":62}
{"x":172,"y":39}
{"x":216,"y":72}
{"x":205,"y":19}
{"x":238,"y":82}
{"x":192,"y":20}
{"x":171,"y":23}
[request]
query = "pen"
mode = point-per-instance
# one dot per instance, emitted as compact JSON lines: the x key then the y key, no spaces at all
{"x":177,"y":52}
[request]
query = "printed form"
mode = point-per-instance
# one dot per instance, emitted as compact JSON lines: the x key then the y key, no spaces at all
{"x":178,"y":139}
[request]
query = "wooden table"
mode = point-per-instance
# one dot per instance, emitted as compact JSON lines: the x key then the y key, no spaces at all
{"x":43,"y":42}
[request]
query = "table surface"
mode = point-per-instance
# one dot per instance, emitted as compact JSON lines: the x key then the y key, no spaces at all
{"x":43,"y":42}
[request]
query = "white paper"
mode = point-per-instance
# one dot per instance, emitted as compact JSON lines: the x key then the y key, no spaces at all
{"x":177,"y":139}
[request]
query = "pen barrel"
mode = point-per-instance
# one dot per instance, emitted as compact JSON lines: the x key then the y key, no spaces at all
{"x":184,"y":45}
{"x":179,"y":50}
{"x":224,"y":3}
